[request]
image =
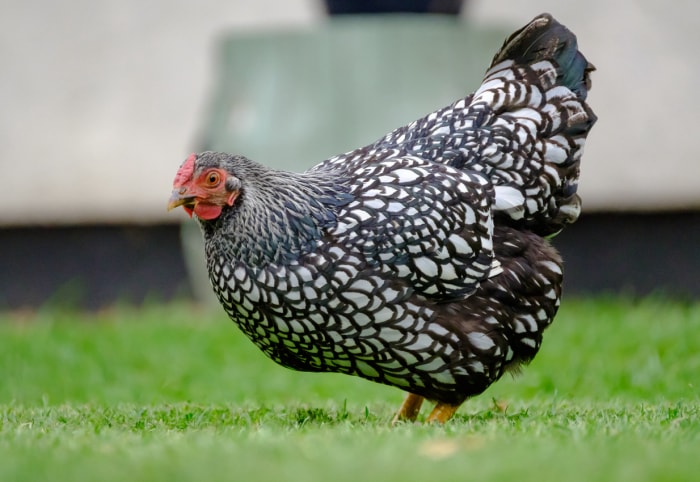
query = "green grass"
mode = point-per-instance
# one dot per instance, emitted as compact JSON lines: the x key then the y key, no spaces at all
{"x":171,"y":393}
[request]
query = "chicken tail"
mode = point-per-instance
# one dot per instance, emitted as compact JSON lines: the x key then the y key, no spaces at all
{"x":524,"y":129}
{"x":535,"y":124}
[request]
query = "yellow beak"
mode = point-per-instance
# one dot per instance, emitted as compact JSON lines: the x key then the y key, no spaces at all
{"x":179,"y":198}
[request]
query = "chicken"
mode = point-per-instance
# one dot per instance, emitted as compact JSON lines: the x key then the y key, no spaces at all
{"x":420,"y":261}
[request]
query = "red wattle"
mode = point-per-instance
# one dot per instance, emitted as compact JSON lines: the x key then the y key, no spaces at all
{"x":207,"y":211}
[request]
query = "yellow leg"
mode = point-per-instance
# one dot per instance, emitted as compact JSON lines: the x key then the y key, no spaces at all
{"x":409,"y":409}
{"x":442,"y":413}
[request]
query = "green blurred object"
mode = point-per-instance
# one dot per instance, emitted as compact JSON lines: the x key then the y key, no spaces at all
{"x":291,"y":99}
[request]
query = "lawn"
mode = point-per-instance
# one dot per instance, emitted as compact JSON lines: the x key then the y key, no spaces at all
{"x":175,"y":393}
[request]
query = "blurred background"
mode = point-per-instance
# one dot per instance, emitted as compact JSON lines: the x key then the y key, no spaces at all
{"x":101,"y":102}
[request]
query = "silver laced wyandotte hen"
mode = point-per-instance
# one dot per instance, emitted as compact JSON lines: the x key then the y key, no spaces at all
{"x":420,"y":261}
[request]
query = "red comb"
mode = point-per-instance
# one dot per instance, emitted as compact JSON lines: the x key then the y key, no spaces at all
{"x":184,"y":174}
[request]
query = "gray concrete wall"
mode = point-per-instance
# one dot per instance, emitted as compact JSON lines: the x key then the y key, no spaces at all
{"x":642,"y":154}
{"x":100,"y":101}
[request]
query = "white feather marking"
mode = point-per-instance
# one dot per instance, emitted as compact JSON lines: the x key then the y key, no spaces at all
{"x":559,"y":91}
{"x":438,"y":330}
{"x":496,"y":269}
{"x":426,"y":266}
{"x":508,"y":197}
{"x":245,"y":284}
{"x":341,"y":278}
{"x":555,"y":152}
{"x":551,"y":294}
{"x":491,"y":320}
{"x":481,"y":341}
{"x":407,"y":357}
{"x":374,"y":203}
{"x":361,"y":319}
{"x":510,"y":200}
{"x":399,"y":382}
{"x":421,"y":342}
{"x":572,"y":211}
{"x":530,"y":321}
{"x":448,"y":272}
{"x":304,"y":274}
{"x":476,"y":366}
{"x":366,"y":369}
{"x":469,"y":215}
{"x":441,"y":131}
{"x":490,"y":84}
{"x":254,"y":294}
{"x":551,"y":266}
{"x":391,"y":336}
{"x":361,"y":214}
{"x":406,"y":175}
{"x":432,"y":365}
{"x":431,"y":289}
{"x":459,"y":243}
{"x":394,"y":207}
{"x":519,"y":326}
{"x":359,"y":299}
{"x":407,"y":323}
{"x":444,"y":377}
{"x":342,"y":228}
{"x":531,"y":205}
{"x":361,"y":285}
{"x":501,"y":66}
{"x":240,"y":273}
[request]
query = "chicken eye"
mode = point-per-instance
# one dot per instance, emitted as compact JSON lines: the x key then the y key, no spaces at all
{"x":213,"y":178}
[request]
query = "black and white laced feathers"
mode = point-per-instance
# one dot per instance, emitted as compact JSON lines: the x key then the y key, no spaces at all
{"x":418,"y":261}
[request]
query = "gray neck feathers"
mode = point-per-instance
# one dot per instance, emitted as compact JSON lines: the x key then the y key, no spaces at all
{"x":277,"y":217}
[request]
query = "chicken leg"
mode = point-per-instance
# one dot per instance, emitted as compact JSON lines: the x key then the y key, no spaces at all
{"x":410,"y":408}
{"x":442,"y":413}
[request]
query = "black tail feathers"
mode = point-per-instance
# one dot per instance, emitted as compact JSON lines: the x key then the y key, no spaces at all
{"x":546,"y":39}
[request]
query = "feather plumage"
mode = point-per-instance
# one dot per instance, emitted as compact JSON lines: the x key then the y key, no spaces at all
{"x":418,"y":261}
